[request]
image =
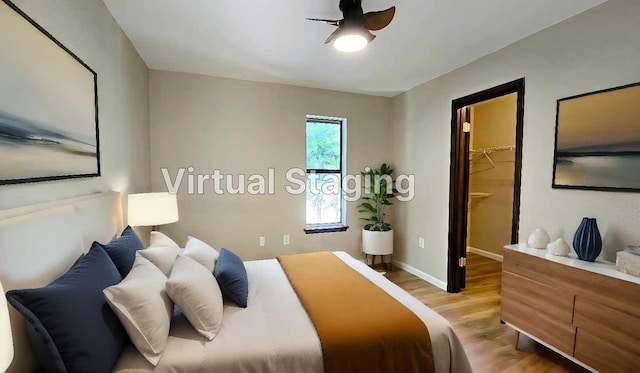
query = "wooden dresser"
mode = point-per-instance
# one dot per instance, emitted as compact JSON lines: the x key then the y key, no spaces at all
{"x":589,"y":312}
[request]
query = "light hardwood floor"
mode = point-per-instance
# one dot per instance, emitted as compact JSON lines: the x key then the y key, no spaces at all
{"x":475,"y":315}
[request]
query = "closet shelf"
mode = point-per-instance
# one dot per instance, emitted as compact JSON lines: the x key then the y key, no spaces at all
{"x":480,"y":195}
{"x":493,"y":149}
{"x":486,"y":152}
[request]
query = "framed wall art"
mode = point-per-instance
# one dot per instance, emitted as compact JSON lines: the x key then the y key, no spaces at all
{"x":598,"y":141}
{"x":48,"y":105}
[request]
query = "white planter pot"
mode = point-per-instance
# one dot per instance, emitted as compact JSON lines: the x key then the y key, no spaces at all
{"x":377,"y":243}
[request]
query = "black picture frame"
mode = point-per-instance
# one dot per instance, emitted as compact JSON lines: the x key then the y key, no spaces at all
{"x":98,"y":171}
{"x":557,"y":154}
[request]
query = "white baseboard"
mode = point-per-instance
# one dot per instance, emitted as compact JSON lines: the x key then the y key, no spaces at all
{"x":485,"y":253}
{"x":422,"y":275}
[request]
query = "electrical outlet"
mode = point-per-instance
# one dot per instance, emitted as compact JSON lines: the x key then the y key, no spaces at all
{"x":286,"y":240}
{"x":421,"y":243}
{"x":262,"y":241}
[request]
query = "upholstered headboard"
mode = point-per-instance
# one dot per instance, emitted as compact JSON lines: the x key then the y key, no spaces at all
{"x":39,"y":243}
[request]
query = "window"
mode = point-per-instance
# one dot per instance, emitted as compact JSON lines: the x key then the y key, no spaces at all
{"x":325,"y":172}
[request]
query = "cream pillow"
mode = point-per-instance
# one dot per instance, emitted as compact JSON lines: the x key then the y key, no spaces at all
{"x":194,"y":289}
{"x":144,"y":308}
{"x":161,"y":239}
{"x":201,"y":253}
{"x":162,"y":256}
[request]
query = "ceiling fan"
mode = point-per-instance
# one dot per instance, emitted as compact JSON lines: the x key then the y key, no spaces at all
{"x":354,"y":30}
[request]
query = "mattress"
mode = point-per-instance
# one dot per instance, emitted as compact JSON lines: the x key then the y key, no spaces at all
{"x":274,"y":334}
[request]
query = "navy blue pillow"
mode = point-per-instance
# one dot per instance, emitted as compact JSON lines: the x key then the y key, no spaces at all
{"x":123,"y":249}
{"x":232,"y":277}
{"x":71,"y":326}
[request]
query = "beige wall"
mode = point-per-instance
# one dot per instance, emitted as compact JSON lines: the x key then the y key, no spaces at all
{"x":594,"y":50}
{"x":247,"y":127}
{"x":87,"y":29}
{"x":493,"y":125}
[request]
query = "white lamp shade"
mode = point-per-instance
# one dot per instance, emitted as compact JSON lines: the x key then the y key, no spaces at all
{"x":148,"y":209}
{"x":6,"y":341}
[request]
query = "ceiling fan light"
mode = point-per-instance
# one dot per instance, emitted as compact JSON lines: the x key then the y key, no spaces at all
{"x":350,"y":43}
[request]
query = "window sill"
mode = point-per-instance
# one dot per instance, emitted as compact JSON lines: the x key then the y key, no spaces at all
{"x":327,"y":229}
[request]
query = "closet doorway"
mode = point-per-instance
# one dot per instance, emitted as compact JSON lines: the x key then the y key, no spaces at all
{"x":486,"y":164}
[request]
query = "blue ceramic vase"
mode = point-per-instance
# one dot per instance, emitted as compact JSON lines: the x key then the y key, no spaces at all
{"x":587,"y":241}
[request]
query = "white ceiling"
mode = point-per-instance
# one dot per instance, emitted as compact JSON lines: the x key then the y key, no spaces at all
{"x":271,"y":40}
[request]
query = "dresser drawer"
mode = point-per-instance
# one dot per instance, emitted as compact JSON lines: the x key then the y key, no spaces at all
{"x":557,"y":333}
{"x":604,"y":356}
{"x":621,"y":328}
{"x":553,"y":302}
{"x":622,"y":295}
{"x":591,"y":315}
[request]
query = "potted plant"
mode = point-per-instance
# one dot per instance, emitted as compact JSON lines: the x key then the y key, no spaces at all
{"x":377,"y":235}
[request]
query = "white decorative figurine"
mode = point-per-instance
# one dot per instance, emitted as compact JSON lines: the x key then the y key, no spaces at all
{"x":559,"y":247}
{"x":539,"y":239}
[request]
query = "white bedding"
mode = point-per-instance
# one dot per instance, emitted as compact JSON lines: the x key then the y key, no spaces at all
{"x":274,"y":334}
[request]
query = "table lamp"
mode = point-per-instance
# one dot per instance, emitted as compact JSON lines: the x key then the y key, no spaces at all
{"x":152,"y":209}
{"x":6,"y":341}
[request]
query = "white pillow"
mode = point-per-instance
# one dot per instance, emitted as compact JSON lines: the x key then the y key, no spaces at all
{"x":194,"y":289}
{"x":144,"y":308}
{"x":201,"y":253}
{"x":161,"y":239}
{"x":162,"y":256}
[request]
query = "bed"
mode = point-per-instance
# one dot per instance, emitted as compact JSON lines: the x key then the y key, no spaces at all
{"x":274,"y":334}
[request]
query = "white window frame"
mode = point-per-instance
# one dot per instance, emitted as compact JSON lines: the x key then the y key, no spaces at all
{"x":342,"y":225}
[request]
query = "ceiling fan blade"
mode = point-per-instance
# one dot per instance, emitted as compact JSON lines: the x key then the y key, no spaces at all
{"x":333,"y":36}
{"x":331,"y":22}
{"x":370,"y":36}
{"x":378,"y":20}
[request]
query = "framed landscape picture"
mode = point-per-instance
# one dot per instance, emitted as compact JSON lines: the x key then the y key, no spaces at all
{"x":48,"y":105}
{"x":598,"y":141}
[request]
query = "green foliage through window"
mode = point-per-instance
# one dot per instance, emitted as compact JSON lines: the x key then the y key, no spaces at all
{"x":323,"y":145}
{"x":324,"y":171}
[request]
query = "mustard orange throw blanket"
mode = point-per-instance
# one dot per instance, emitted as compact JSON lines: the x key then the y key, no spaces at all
{"x":360,"y":326}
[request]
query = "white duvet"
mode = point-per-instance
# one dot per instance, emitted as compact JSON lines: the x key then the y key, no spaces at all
{"x":274,"y":333}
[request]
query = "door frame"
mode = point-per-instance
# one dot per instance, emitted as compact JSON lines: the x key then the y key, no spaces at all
{"x":459,"y":181}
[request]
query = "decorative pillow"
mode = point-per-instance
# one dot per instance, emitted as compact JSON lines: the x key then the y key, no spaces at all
{"x":161,"y":239}
{"x":201,"y":253}
{"x":143,"y":306}
{"x":69,"y":322}
{"x":232,"y":277}
{"x":162,"y":256}
{"x":123,"y":249}
{"x":194,"y":289}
